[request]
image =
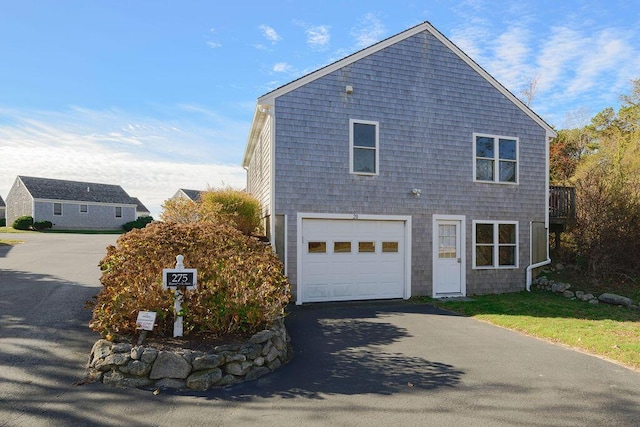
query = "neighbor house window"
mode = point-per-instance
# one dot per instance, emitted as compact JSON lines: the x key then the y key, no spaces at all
{"x":83,"y":208}
{"x":495,"y":244}
{"x":57,"y":209}
{"x":363,"y":141}
{"x":118,"y":212}
{"x":495,"y":158}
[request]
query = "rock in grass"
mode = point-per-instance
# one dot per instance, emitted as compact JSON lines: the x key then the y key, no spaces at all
{"x":615,"y":299}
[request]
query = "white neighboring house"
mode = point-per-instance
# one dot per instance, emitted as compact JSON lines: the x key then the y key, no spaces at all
{"x":141,"y":209}
{"x":70,"y":204}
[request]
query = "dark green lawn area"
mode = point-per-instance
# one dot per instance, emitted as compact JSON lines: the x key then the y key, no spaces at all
{"x":608,"y":331}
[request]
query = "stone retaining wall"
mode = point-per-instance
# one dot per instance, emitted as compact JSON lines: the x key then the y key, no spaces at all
{"x":564,"y":289}
{"x":126,"y":365}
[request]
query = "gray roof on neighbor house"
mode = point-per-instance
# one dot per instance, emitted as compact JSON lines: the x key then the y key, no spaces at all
{"x":192,"y":194}
{"x":2,"y":204}
{"x":139,"y":206}
{"x":77,"y":191}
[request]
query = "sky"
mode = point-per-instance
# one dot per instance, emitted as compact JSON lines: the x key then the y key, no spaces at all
{"x":159,"y":95}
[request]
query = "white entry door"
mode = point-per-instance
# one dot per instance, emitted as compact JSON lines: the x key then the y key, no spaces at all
{"x":448,"y":257}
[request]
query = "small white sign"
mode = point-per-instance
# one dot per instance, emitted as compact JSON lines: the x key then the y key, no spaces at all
{"x":146,"y":319}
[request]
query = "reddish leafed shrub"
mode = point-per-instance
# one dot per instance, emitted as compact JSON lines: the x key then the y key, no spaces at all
{"x":241,"y":286}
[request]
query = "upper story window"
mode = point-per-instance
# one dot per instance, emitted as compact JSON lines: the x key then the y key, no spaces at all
{"x":118,"y":212}
{"x":363,"y":142}
{"x":495,"y":159}
{"x":57,"y":209}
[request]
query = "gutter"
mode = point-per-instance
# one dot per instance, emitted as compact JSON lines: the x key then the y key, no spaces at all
{"x":531,"y":267}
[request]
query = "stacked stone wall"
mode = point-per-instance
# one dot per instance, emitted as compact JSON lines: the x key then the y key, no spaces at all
{"x":127,"y":365}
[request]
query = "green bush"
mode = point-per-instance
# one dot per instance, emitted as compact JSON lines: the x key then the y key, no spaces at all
{"x":23,"y":223}
{"x":3,"y":222}
{"x":42,"y":225}
{"x":241,"y":287}
{"x":138,"y":223}
{"x":239,"y":208}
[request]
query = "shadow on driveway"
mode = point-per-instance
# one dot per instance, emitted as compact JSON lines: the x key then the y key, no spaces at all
{"x":347,"y":349}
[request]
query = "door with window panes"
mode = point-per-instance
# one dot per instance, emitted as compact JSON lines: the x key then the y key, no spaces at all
{"x":448,"y":268}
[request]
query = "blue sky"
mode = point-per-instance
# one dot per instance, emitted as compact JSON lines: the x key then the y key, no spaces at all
{"x":159,"y":95}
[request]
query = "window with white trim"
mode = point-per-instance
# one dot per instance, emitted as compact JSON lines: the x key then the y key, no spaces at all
{"x":495,"y":244}
{"x":118,"y":212}
{"x":363,"y":146}
{"x":84,"y":208}
{"x":57,"y":209}
{"x":495,"y":158}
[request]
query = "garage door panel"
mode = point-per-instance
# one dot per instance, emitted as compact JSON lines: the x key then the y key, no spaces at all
{"x":367,"y":263}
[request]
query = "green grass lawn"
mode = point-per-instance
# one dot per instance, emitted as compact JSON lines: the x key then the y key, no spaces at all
{"x":604,"y":330}
{"x":13,"y":230}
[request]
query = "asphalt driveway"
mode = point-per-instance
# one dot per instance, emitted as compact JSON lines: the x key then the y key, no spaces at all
{"x":369,"y":364}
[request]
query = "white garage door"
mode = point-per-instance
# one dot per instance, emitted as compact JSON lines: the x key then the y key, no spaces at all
{"x":352,"y":260}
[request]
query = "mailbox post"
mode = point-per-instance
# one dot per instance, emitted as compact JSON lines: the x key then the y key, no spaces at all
{"x":179,"y":279}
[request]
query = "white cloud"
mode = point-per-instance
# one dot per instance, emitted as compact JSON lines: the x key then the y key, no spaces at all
{"x":149,"y":158}
{"x":213,"y":45}
{"x":318,"y":37}
{"x":559,"y":54}
{"x":282,"y":67}
{"x":270,"y":34}
{"x":606,"y":55}
{"x":511,"y":50}
{"x":369,"y":30}
{"x":583,"y":68}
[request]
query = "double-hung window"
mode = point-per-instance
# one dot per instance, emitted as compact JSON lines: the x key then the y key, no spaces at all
{"x":57,"y":209}
{"x":84,"y":209}
{"x":495,"y":158}
{"x":363,"y":142}
{"x":118,"y":212}
{"x":495,"y":244}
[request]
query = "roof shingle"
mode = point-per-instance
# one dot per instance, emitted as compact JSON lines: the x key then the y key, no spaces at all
{"x":57,"y":189}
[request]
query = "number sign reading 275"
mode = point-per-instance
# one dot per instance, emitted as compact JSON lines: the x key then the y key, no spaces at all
{"x":185,"y":278}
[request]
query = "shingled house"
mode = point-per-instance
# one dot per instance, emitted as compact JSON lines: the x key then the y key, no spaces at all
{"x":404,"y":169}
{"x":70,"y":204}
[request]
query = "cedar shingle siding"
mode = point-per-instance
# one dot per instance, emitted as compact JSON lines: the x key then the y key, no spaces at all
{"x":428,"y":102}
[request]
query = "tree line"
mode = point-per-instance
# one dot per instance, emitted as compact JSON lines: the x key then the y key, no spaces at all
{"x":601,"y":160}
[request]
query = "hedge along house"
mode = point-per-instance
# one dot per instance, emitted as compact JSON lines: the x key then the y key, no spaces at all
{"x":70,"y":204}
{"x":404,"y":169}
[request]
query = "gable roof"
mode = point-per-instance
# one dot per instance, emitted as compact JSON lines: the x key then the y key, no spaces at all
{"x":268,"y":100}
{"x":194,"y":195}
{"x":2,"y":204}
{"x":77,"y":191}
{"x":140,"y":208}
